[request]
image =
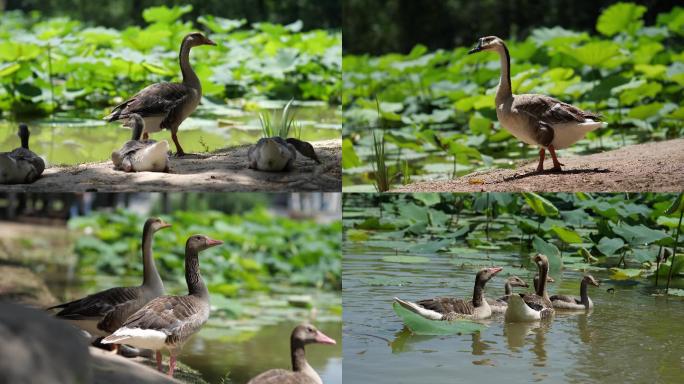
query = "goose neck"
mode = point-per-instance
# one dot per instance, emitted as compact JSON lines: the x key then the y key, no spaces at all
{"x":189,"y":76}
{"x":193,"y":277}
{"x":299,"y":363}
{"x":504,"y":90}
{"x":151,"y":276}
{"x":508,"y":289}
{"x":584,"y":297}
{"x":478,"y":293}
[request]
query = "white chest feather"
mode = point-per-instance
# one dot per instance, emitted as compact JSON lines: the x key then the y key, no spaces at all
{"x":519,"y":311}
{"x":516,"y":124}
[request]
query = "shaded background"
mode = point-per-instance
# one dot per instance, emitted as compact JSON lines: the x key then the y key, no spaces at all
{"x":119,"y":13}
{"x":382,"y":26}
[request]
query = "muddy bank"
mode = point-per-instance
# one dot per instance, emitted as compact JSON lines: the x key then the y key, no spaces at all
{"x":223,"y":170}
{"x":654,"y":167}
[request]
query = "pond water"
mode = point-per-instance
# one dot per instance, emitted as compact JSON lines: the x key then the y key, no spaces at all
{"x":234,"y":351}
{"x":630,"y":336}
{"x":68,"y":141}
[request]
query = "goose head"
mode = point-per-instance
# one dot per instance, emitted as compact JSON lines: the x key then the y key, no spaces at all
{"x":515,"y":281}
{"x":487,"y":43}
{"x":24,"y":134}
{"x":137,"y":125}
{"x":202,"y":242}
{"x":541,"y":261}
{"x":308,"y":334}
{"x":486,"y":274}
{"x":194,"y":39}
{"x":591,"y":280}
{"x":155,"y":224}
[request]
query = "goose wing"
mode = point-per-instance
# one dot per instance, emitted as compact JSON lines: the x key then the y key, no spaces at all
{"x":551,"y":111}
{"x":119,"y":313}
{"x":160,"y":99}
{"x":97,"y":304}
{"x":33,"y":159}
{"x":177,"y":316}
{"x":566,"y":298}
{"x":448,"y":305}
{"x":281,"y":376}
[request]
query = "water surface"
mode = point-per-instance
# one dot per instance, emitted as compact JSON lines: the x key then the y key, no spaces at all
{"x":631,"y":336}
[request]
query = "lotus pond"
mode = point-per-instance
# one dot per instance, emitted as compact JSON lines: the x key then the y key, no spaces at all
{"x":435,"y":112}
{"x":428,"y":245}
{"x":62,"y":76}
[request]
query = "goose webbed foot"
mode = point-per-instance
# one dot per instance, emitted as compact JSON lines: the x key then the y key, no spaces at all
{"x":179,"y":150}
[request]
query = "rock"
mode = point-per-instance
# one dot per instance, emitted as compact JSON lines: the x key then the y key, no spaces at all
{"x":19,"y":284}
{"x":37,"y":348}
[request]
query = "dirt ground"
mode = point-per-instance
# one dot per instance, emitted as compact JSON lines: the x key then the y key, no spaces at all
{"x":223,"y":170}
{"x":654,"y":167}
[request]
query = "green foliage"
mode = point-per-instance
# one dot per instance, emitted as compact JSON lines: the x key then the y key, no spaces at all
{"x":260,"y":249}
{"x":438,"y":106}
{"x":597,"y":231}
{"x":93,"y":67}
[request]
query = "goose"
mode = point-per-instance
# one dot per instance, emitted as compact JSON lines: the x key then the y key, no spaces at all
{"x":301,"y":373}
{"x":535,"y":281}
{"x":573,"y":302}
{"x":499,"y":305}
{"x":168,"y":321}
{"x":21,"y":165}
{"x":166,"y":105}
{"x":531,"y":307}
{"x":535,"y":119}
{"x":141,"y":156}
{"x":104,"y":312}
{"x":450,"y":308}
{"x":275,"y":154}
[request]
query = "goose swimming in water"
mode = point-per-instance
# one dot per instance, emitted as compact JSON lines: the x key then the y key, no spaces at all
{"x":450,"y":308}
{"x":580,"y":303}
{"x":499,"y":305}
{"x":536,"y":119}
{"x":21,"y":166}
{"x":531,"y":307}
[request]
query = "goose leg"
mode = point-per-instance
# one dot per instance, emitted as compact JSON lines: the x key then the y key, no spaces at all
{"x":556,"y":164}
{"x":542,"y":154}
{"x":179,"y":149}
{"x":159,"y":361}
{"x":172,"y":364}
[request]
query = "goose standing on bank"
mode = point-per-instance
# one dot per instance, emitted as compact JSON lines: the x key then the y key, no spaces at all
{"x":166,"y":105}
{"x":301,"y":373}
{"x":531,"y":307}
{"x":450,"y":308}
{"x":499,"y":305}
{"x":141,"y":156}
{"x":168,"y":321}
{"x":21,"y":166}
{"x":573,"y":302}
{"x":104,"y":312}
{"x":535,"y":119}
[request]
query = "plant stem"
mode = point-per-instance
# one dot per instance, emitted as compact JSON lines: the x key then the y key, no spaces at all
{"x":52,"y":85}
{"x":674,"y":252}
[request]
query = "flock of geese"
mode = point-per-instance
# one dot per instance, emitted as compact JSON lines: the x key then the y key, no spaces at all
{"x":156,"y":107}
{"x":522,"y":307}
{"x":143,"y":317}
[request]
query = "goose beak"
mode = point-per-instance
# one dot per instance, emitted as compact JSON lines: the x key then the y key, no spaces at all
{"x":495,"y":270}
{"x":213,"y":243}
{"x":210,"y":42}
{"x":477,"y":48}
{"x":322,"y":338}
{"x":164,"y":224}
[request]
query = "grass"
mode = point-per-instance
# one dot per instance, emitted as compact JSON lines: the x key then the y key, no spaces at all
{"x":275,"y":124}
